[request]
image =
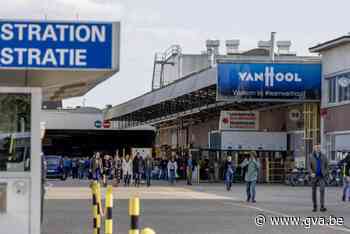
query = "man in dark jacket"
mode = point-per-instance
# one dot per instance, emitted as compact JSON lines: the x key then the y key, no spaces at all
{"x":138,"y":169}
{"x":148,"y":169}
{"x":318,"y":171}
{"x":345,"y":163}
{"x":164,"y":169}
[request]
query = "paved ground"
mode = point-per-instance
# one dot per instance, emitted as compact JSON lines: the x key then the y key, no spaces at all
{"x":200,"y":209}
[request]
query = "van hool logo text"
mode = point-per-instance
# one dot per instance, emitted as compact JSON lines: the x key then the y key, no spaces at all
{"x":269,"y":77}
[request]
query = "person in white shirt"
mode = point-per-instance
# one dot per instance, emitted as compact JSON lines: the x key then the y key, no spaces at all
{"x":172,"y":168}
{"x":127,"y":170}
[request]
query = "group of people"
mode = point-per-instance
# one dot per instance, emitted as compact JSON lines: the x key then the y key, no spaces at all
{"x":122,"y":169}
{"x":251,"y":167}
{"x":317,"y":166}
{"x":77,"y":168}
{"x":127,"y":169}
{"x":135,"y":169}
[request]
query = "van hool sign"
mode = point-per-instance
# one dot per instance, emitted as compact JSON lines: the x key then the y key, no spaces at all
{"x":260,"y":81}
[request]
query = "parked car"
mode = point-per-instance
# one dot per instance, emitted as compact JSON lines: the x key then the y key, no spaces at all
{"x":55,"y":167}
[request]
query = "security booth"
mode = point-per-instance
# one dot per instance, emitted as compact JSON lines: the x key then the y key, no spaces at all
{"x":20,"y":162}
{"x":42,"y":61}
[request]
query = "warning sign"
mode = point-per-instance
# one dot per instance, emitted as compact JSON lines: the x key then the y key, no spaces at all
{"x":239,"y":120}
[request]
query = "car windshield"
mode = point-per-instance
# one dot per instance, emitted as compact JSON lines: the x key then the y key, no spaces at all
{"x":52,"y":161}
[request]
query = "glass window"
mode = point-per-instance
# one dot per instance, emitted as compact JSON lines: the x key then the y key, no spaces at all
{"x":15,"y":132}
{"x":330,"y":146}
{"x":332,"y":90}
{"x":343,"y":82}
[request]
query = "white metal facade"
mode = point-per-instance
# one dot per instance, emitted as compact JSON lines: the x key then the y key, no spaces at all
{"x":335,"y":62}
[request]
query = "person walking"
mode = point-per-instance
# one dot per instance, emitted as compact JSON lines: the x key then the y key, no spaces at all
{"x":229,"y":172}
{"x":96,"y":166}
{"x":75,"y":165}
{"x":172,"y":168}
{"x":81,"y":168}
{"x":211,"y":171}
{"x":164,"y":169}
{"x":118,"y":165}
{"x":251,"y":176}
{"x":141,"y":169}
{"x":189,"y":169}
{"x":345,"y":164}
{"x":318,"y":171}
{"x":107,"y":166}
{"x":127,"y":167}
{"x":148,"y":169}
{"x":87,"y":167}
{"x":135,"y":169}
{"x":66,"y":166}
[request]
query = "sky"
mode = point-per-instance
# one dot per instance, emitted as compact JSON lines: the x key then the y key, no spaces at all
{"x":153,"y":25}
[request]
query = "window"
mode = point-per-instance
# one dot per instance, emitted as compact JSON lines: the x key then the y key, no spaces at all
{"x":15,"y":111}
{"x":330,"y":147}
{"x":339,"y":88}
{"x":332,"y":89}
{"x":343,"y":82}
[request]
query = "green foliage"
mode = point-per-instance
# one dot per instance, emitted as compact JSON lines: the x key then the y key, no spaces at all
{"x":13,"y":107}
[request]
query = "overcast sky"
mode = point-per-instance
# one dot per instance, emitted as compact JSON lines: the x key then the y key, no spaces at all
{"x":149,"y":26}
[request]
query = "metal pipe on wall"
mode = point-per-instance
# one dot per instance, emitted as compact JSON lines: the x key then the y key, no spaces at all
{"x":272,"y":48}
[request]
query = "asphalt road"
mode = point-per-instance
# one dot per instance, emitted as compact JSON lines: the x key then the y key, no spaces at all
{"x":200,"y":209}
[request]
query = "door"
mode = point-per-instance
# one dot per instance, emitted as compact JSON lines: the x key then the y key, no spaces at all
{"x":14,"y":205}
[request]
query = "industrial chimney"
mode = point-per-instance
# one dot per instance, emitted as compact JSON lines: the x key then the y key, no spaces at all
{"x":212,"y":50}
{"x":232,"y":46}
{"x":213,"y":46}
{"x":283,"y":47}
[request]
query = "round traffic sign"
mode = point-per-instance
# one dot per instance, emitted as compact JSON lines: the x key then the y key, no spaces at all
{"x":98,"y":124}
{"x":106,"y":124}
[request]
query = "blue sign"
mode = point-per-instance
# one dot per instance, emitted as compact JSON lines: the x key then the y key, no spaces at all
{"x":61,"y":45}
{"x":98,"y":124}
{"x":269,"y":81}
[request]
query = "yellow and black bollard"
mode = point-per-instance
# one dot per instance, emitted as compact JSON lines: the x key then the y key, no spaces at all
{"x":148,"y":231}
{"x":134,"y":213}
{"x":94,"y":207}
{"x":108,"y":210}
{"x":99,"y":207}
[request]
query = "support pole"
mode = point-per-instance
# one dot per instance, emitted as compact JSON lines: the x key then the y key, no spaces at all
{"x":134,"y":213}
{"x":99,"y":207}
{"x":94,"y":207}
{"x":109,"y":209}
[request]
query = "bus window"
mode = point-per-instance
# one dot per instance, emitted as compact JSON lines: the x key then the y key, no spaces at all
{"x":15,"y":115}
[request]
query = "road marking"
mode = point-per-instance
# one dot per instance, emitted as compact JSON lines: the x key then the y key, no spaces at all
{"x":337,"y":228}
{"x":142,"y":192}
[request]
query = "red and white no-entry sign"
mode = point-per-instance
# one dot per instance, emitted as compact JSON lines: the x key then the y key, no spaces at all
{"x":106,"y":124}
